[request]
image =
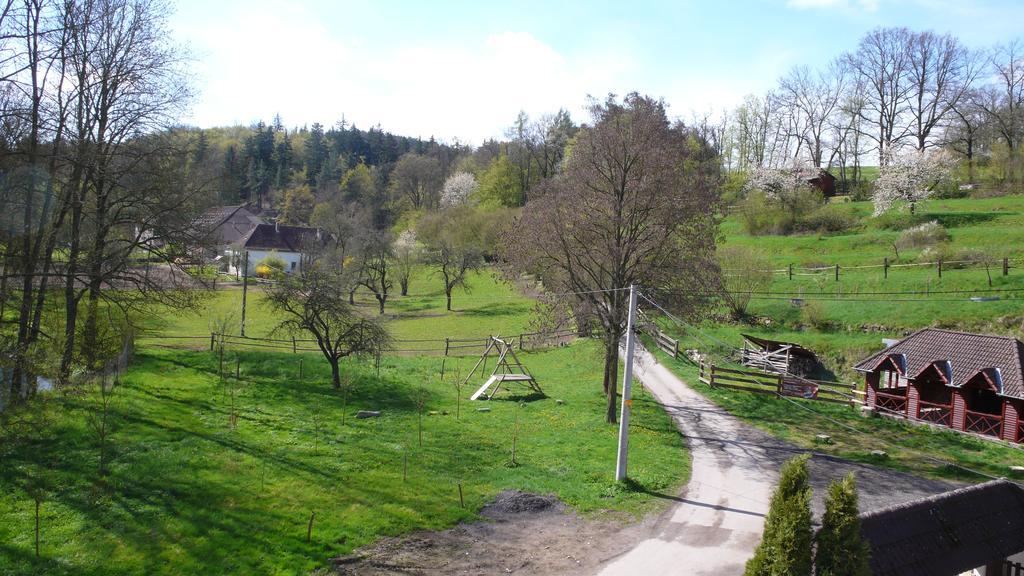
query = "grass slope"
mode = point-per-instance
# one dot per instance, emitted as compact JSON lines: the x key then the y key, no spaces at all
{"x":189,"y":494}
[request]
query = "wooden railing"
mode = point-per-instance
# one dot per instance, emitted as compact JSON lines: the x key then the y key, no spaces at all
{"x":984,"y":424}
{"x":779,"y":384}
{"x":1011,"y":568}
{"x":941,"y":414}
{"x":891,"y":402}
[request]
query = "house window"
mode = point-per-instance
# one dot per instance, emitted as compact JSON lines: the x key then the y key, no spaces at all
{"x":293,"y":265}
{"x":891,"y":380}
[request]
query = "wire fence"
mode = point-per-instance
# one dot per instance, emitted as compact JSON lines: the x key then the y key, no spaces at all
{"x":1004,"y":265}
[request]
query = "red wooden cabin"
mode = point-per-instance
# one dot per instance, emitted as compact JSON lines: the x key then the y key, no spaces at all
{"x":968,"y":382}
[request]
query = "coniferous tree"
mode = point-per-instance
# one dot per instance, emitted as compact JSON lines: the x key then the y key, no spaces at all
{"x":785,"y":548}
{"x":842,"y":550}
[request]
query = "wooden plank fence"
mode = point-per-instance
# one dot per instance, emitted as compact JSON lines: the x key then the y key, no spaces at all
{"x":777,"y":384}
{"x":662,"y":339}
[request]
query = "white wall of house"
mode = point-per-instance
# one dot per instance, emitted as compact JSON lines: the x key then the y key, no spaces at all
{"x":292,"y":260}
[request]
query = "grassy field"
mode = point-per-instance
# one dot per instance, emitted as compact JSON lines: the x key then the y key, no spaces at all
{"x":853,"y":316}
{"x":486,"y":306}
{"x":189,"y":493}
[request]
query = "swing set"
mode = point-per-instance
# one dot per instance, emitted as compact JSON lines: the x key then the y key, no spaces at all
{"x":507,"y":369}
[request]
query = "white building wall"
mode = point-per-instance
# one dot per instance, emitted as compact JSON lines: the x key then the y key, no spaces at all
{"x":292,"y":260}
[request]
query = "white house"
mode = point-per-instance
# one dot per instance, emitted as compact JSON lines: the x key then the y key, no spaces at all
{"x":288,"y":243}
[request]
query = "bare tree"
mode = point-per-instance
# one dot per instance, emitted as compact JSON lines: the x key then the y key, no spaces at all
{"x":882,"y":64}
{"x":967,"y":128}
{"x":376,"y":266}
{"x":315,"y":301}
{"x":1004,"y":99}
{"x":816,"y":98}
{"x":634,"y":205}
{"x":941,"y":72}
{"x":453,"y":245}
{"x":417,"y":179}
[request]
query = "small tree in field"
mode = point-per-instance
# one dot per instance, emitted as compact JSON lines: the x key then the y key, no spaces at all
{"x":785,"y":548}
{"x":842,"y":550}
{"x":453,"y":245}
{"x":407,"y":255}
{"x":458,"y":189}
{"x":315,"y":301}
{"x":745,"y":271}
{"x":910,"y":177}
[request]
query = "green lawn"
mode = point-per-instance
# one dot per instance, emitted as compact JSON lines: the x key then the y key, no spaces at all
{"x":486,"y":306}
{"x":189,"y":494}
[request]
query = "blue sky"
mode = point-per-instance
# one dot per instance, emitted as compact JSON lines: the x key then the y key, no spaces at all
{"x":464,"y":69}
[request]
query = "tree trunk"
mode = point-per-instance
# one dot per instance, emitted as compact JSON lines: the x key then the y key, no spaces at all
{"x":405,"y":286}
{"x":448,"y":295}
{"x":380,"y":301}
{"x":611,"y":375}
{"x":335,"y":373}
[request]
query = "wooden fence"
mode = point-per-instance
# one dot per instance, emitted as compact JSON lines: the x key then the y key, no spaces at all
{"x":662,"y":339}
{"x":410,"y":347}
{"x":777,"y":384}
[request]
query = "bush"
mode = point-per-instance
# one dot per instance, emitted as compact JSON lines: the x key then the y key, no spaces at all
{"x":270,"y":267}
{"x":842,"y":550}
{"x":813,"y":314}
{"x":895,"y":220}
{"x":830,"y":218}
{"x":748,"y":271}
{"x":955,"y":258}
{"x":762,"y":215}
{"x":785,"y":546}
{"x":927,"y":234}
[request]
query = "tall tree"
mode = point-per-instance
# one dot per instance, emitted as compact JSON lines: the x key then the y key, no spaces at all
{"x":842,"y":550}
{"x":883,"y":66}
{"x":942,"y":71}
{"x":454,"y":246}
{"x":785,"y":548}
{"x":417,"y":179}
{"x":635,"y":204}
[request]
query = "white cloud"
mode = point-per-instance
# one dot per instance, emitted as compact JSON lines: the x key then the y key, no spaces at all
{"x":867,"y":5}
{"x":282,"y":61}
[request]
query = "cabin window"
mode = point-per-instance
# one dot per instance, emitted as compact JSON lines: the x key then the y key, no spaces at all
{"x":293,"y":265}
{"x":888,"y":379}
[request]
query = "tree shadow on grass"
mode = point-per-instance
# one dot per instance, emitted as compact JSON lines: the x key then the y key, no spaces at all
{"x":958,"y":219}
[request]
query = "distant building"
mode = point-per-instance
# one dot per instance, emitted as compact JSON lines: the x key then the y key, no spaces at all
{"x":967,"y":382}
{"x":289,"y":243}
{"x":975,"y":530}
{"x":222,"y":227}
{"x":825,"y":182}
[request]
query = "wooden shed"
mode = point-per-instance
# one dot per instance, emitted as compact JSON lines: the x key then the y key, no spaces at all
{"x":967,"y":382}
{"x":777,"y":356}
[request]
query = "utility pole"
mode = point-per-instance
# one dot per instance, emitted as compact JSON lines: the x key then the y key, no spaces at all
{"x":245,"y":287}
{"x":627,"y":382}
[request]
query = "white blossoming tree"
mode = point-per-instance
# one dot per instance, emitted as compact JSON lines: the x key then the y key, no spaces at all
{"x":786,"y":186}
{"x":909,"y":178}
{"x":458,"y":189}
{"x":407,"y":254}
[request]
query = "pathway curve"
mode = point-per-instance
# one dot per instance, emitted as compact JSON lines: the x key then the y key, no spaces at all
{"x":716,"y":522}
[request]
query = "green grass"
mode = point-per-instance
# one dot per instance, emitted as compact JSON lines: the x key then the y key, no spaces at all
{"x":189,"y":494}
{"x":485,"y":306}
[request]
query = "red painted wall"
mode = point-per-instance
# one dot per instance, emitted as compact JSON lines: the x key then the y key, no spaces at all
{"x":959,"y":409}
{"x":1011,"y":416}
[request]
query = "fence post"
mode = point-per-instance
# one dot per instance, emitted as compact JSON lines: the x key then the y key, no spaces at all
{"x":211,"y":341}
{"x":445,"y":346}
{"x":711,"y":377}
{"x":940,"y":267}
{"x":294,"y":348}
{"x":837,"y":272}
{"x":885,"y":266}
{"x":520,"y":342}
{"x":778,"y":388}
{"x":675,"y":349}
{"x":790,"y":271}
{"x":1006,"y":266}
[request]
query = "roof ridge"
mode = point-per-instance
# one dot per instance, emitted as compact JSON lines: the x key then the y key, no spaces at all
{"x":965,"y":333}
{"x":940,"y":497}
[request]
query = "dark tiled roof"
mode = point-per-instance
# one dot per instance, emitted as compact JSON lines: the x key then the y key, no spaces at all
{"x":967,"y":355}
{"x":221,"y":219}
{"x":283,"y":238}
{"x":947,"y":533}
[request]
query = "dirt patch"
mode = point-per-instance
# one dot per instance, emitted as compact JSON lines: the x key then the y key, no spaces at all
{"x":521,"y":533}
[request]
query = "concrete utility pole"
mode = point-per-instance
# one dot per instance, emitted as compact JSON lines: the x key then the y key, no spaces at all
{"x":245,"y":287}
{"x":627,"y":382}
